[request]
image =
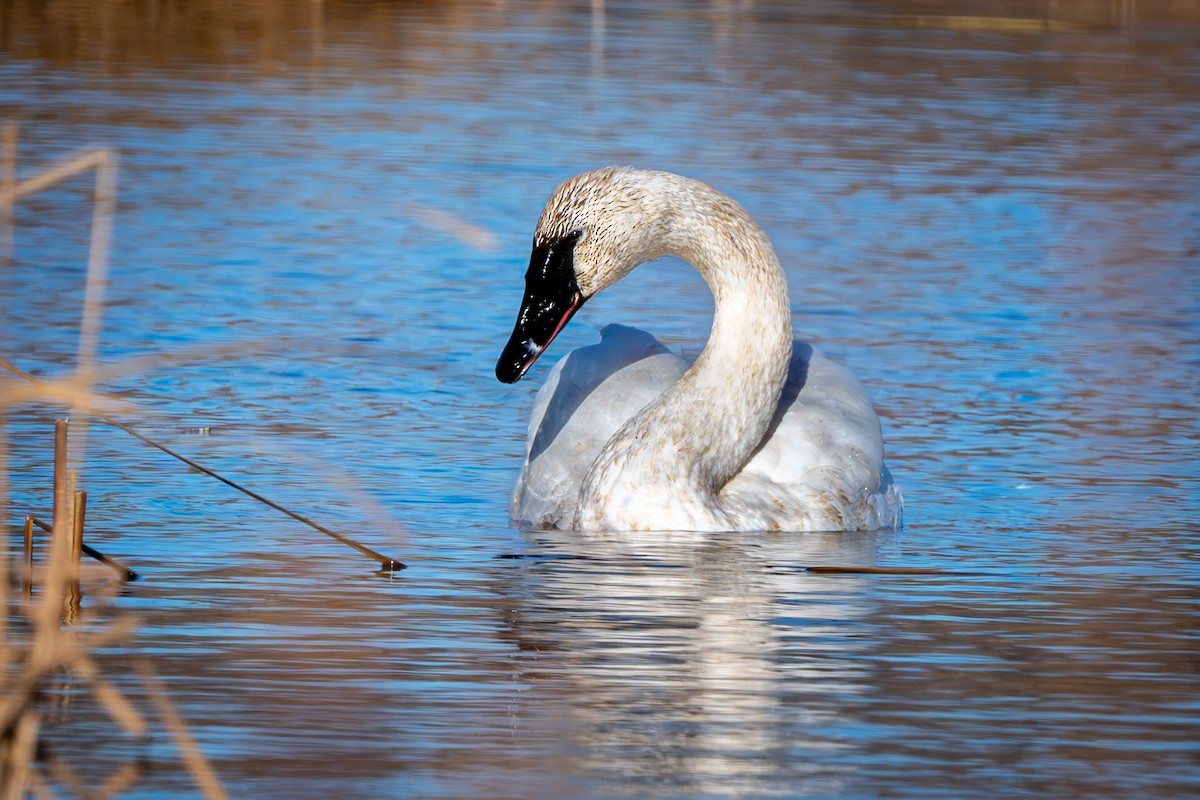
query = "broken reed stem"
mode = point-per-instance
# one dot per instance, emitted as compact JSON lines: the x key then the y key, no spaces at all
{"x":58,"y":516}
{"x":66,"y":168}
{"x":85,"y":549}
{"x":77,"y":528}
{"x":64,"y":544}
{"x":55,"y":651}
{"x":60,"y":574}
{"x":124,"y":571}
{"x":74,"y":555}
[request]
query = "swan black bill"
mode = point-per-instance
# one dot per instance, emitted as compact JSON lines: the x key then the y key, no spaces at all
{"x":552,"y":297}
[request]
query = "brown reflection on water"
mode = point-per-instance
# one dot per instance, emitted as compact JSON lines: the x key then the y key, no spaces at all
{"x":271,"y":35}
{"x":277,"y":35}
{"x":1071,"y":672}
{"x":316,"y":679}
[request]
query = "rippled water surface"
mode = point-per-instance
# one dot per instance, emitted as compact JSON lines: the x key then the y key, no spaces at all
{"x":324,"y":219}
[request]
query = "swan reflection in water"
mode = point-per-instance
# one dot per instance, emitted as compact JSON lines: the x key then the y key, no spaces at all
{"x":695,"y":661}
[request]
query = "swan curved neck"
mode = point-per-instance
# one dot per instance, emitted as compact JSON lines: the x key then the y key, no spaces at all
{"x":701,"y":432}
{"x":733,"y":388}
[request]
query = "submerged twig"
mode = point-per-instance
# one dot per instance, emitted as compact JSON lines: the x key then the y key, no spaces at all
{"x":845,"y":570}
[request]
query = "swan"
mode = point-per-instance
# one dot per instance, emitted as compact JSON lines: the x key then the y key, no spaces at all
{"x":759,"y":432}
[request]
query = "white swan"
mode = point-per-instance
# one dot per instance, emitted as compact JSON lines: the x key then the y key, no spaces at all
{"x":759,"y":433}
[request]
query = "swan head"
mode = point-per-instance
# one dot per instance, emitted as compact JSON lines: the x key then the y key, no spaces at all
{"x":594,"y":230}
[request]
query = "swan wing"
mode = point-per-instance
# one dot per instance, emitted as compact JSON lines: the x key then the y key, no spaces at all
{"x":821,"y":465}
{"x":590,"y":393}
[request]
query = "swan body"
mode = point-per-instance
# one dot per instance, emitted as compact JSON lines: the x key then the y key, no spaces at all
{"x":759,"y":432}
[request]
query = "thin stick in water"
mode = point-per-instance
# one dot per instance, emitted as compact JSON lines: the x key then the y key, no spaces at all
{"x":387,"y":564}
{"x":844,"y":570}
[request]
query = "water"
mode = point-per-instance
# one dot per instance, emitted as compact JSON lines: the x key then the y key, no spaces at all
{"x":324,"y":218}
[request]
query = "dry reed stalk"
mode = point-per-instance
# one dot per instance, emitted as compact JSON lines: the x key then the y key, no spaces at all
{"x":124,"y":778}
{"x":832,"y":569}
{"x":63,"y":775}
{"x":8,"y":182}
{"x":70,"y":391}
{"x":453,"y":225}
{"x":40,"y":790}
{"x":104,"y":162}
{"x":103,"y":213}
{"x":120,"y":709}
{"x":197,"y":764}
{"x":71,"y":650}
{"x":53,"y":649}
{"x":17,"y":745}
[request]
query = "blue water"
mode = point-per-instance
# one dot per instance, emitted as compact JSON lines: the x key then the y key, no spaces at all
{"x":319,"y":250}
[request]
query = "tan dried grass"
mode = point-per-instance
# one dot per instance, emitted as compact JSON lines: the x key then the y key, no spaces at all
{"x":41,"y":635}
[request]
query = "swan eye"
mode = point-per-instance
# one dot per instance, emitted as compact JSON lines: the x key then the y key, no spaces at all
{"x":576,"y":236}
